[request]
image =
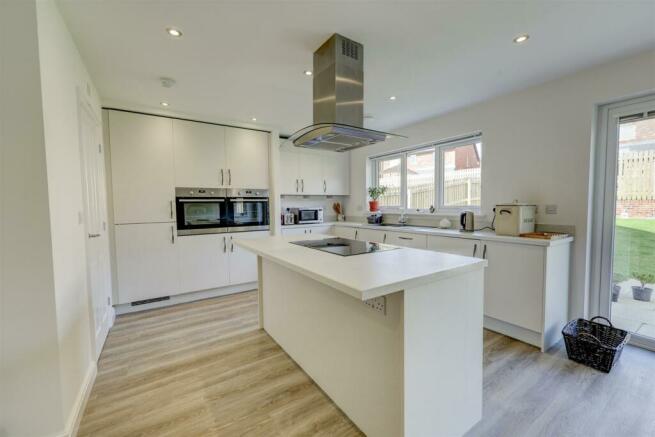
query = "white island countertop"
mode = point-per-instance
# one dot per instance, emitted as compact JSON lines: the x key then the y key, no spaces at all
{"x":364,"y":276}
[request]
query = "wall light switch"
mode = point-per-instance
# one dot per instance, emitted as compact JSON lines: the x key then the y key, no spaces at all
{"x":551,"y":209}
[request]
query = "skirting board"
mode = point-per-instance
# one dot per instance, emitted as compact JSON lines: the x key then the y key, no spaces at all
{"x":186,"y":297}
{"x":525,"y":335}
{"x":75,"y":417}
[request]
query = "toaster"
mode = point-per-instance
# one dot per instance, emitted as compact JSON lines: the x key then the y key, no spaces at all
{"x":515,"y":218}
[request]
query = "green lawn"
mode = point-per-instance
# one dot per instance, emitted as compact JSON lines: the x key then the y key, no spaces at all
{"x":634,"y":246}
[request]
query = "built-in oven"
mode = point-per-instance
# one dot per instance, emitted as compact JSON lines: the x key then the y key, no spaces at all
{"x":247,"y":209}
{"x":201,"y":211}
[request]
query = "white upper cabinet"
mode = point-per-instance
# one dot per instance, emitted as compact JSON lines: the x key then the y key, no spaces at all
{"x":246,"y":152}
{"x":311,"y":172}
{"x":143,"y":176}
{"x":336,"y":173}
{"x":199,"y":154}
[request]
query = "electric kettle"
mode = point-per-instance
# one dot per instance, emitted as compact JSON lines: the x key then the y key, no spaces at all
{"x":466,"y":221}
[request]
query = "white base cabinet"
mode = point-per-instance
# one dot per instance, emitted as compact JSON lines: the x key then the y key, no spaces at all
{"x":146,"y":261}
{"x":320,"y":230}
{"x":242,"y":263}
{"x":203,"y":261}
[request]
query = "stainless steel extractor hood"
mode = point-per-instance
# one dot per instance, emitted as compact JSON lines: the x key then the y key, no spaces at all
{"x":338,"y":100}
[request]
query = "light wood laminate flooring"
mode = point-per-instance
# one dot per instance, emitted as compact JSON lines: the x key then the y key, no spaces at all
{"x":204,"y":369}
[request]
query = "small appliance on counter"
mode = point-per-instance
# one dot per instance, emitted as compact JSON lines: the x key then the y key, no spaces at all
{"x":307,"y":215}
{"x":466,"y":221}
{"x":288,"y":218}
{"x":374,"y":218}
{"x":515,"y":218}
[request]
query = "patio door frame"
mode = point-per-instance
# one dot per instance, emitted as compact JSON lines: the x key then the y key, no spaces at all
{"x":604,"y":205}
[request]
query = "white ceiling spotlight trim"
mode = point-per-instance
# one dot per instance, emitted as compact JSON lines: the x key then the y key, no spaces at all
{"x":164,"y":104}
{"x":520,"y":39}
{"x":167,"y":82}
{"x":174,"y":32}
{"x":308,"y":72}
{"x":392,"y":98}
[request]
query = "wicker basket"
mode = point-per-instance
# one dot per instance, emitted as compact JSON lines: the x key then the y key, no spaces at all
{"x":594,"y":344}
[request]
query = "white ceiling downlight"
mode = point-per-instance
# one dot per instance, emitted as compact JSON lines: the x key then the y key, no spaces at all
{"x":392,"y":98}
{"x":520,"y":39}
{"x":174,"y":32}
{"x":164,"y":104}
{"x":308,"y":72}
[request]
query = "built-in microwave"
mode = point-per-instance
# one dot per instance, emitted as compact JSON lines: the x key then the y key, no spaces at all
{"x":307,"y":215}
{"x":201,"y":211}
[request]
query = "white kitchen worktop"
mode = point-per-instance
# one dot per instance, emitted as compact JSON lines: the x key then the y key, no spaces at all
{"x":363,"y":276}
{"x":423,"y":230}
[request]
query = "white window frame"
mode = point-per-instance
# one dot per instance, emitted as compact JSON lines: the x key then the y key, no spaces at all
{"x":439,"y":148}
{"x":439,"y":175}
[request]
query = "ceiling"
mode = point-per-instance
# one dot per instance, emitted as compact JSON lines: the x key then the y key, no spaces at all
{"x":243,"y":59}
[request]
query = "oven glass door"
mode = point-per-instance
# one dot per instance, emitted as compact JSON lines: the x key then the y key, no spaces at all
{"x":248,"y":214}
{"x":198,"y":214}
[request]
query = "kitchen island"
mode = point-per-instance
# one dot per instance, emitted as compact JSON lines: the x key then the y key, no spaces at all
{"x":393,"y":337}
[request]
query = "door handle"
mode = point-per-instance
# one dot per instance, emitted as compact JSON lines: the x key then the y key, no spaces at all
{"x":384,"y":239}
{"x":296,"y":185}
{"x":94,"y":235}
{"x":405,"y":238}
{"x":484,"y":252}
{"x":172,"y":235}
{"x":302,"y":182}
{"x":224,"y":245}
{"x":222,"y":179}
{"x":356,"y":234}
{"x":324,"y":186}
{"x":231,"y":245}
{"x":170,"y":204}
{"x":475,"y":249}
{"x":229,"y":176}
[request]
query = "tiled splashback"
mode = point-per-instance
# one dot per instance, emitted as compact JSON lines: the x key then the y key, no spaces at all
{"x":313,"y":202}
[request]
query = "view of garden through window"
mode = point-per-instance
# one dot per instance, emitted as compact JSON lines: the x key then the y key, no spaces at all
{"x":634,"y":237}
{"x":461,"y":175}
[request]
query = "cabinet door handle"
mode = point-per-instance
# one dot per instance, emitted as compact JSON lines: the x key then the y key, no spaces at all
{"x":356,"y":234}
{"x":170,"y":204}
{"x":229,"y":176}
{"x":384,"y":239}
{"x":231,"y":245}
{"x":310,"y":231}
{"x":222,"y":179}
{"x":405,"y":238}
{"x":324,"y":186}
{"x":296,"y":185}
{"x":172,"y":235}
{"x":94,"y":235}
{"x":302,"y":182}
{"x":484,"y":252}
{"x":475,"y":249}
{"x":224,"y":245}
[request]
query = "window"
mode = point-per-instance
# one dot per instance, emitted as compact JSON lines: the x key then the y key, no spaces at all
{"x":445,"y":175}
{"x":389,"y":175}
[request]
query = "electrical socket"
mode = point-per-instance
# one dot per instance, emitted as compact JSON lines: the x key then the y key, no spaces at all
{"x":551,"y":209}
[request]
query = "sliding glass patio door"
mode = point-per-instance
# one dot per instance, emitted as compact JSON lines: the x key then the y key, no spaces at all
{"x":628,"y":233}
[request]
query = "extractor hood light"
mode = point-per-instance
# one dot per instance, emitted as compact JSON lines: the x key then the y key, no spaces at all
{"x":176,"y":33}
{"x":521,"y":38}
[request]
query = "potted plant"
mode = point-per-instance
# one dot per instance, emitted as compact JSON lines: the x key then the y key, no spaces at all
{"x":374,"y":193}
{"x":617,"y":278}
{"x":643,"y":293}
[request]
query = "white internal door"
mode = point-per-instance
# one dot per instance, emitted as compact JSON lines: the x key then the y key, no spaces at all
{"x":199,"y":154}
{"x":247,"y":158}
{"x":95,"y":212}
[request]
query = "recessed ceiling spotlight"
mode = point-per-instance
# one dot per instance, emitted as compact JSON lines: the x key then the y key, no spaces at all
{"x":308,"y":72}
{"x":392,"y":98}
{"x":521,"y":38}
{"x":176,"y":33}
{"x":253,"y":119}
{"x":164,"y":104}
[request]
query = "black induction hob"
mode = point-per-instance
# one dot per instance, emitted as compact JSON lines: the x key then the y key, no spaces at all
{"x":344,"y":246}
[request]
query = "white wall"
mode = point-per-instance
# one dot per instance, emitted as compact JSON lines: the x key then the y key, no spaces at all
{"x":46,"y":355}
{"x":536,"y":147}
{"x":30,"y":388}
{"x":64,"y":78}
